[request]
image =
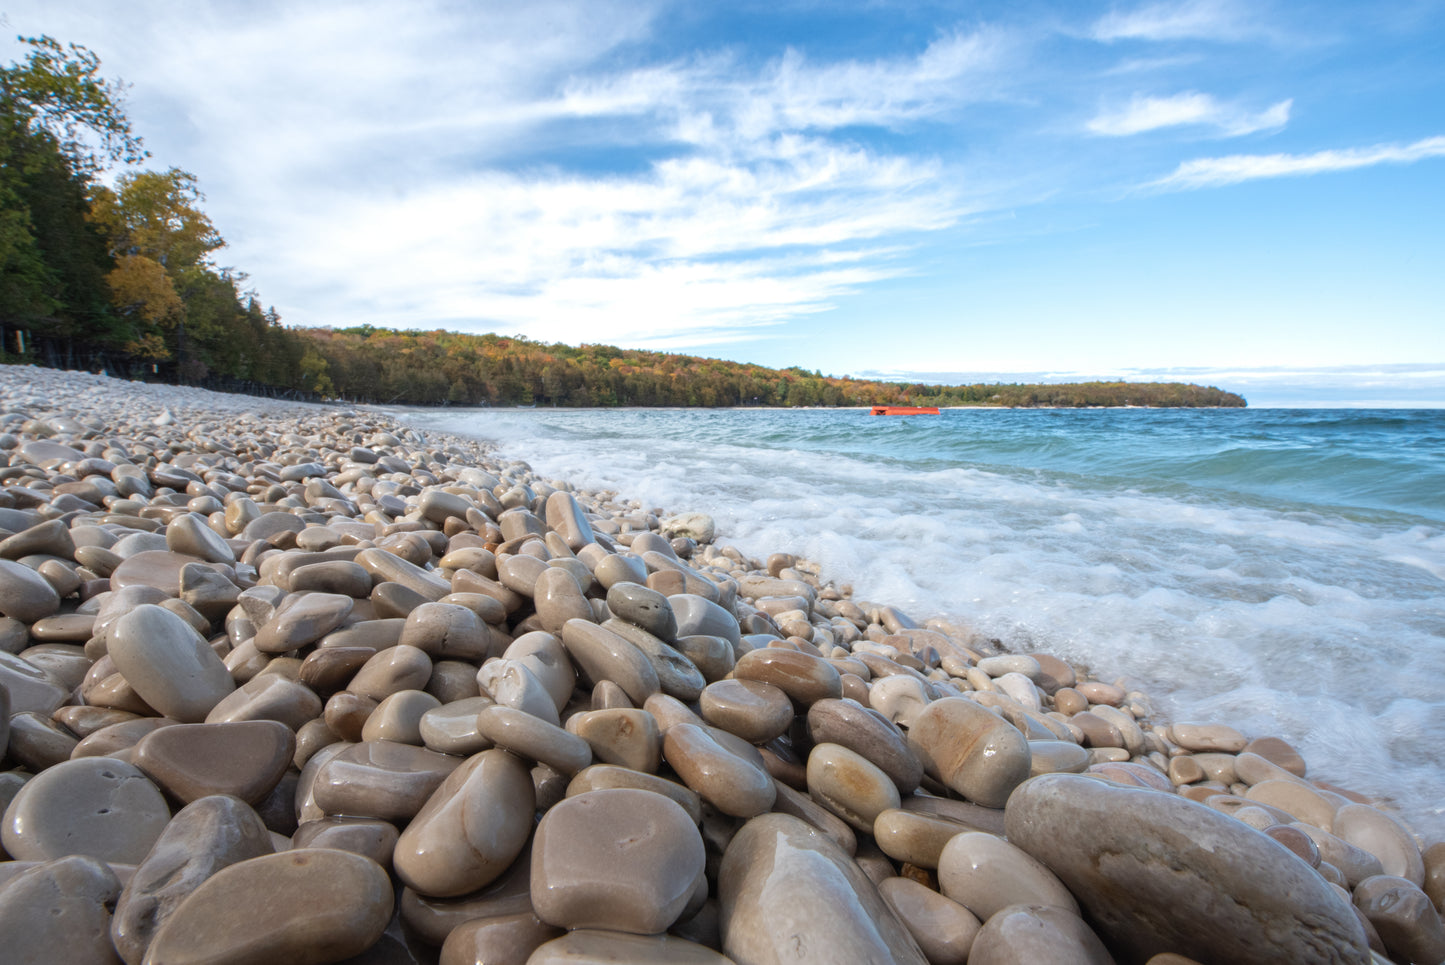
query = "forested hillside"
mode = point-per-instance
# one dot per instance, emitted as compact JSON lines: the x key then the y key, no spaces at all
{"x":436,"y":368}
{"x":122,"y":276}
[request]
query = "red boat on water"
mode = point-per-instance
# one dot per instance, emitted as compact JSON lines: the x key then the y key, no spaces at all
{"x":904,"y":410}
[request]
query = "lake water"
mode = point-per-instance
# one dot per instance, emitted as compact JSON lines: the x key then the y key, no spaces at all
{"x":1281,"y":570}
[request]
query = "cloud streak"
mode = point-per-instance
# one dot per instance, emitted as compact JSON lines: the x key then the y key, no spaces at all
{"x":1237,"y":168}
{"x":1219,"y":20}
{"x":1144,"y":114}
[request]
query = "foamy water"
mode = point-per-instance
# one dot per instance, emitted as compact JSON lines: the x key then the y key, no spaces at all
{"x":1281,"y":571}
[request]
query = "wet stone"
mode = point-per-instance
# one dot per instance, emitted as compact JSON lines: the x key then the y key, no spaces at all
{"x":621,"y":858}
{"x":471,"y":829}
{"x":96,"y":806}
{"x":318,"y":905}
{"x":1181,"y":875}
{"x":787,"y":893}
{"x":58,"y":911}
{"x":191,"y":761}
{"x":169,"y":664}
{"x":205,"y":836}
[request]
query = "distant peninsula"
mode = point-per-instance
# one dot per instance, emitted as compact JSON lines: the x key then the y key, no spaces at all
{"x":369,"y":364}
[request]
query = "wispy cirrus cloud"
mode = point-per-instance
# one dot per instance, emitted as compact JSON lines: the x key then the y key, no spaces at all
{"x":1191,"y":108}
{"x":1186,"y":20}
{"x":1236,"y":168}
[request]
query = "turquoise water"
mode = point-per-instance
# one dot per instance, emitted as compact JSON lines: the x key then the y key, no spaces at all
{"x":1283,"y":570}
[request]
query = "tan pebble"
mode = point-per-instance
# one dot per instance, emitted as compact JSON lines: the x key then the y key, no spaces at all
{"x":379,"y":779}
{"x":319,"y":906}
{"x":471,"y":828}
{"x":501,"y":940}
{"x":191,"y":761}
{"x":1053,"y":756}
{"x":329,"y":669}
{"x":943,"y":928}
{"x":96,"y":806}
{"x":398,"y":717}
{"x":868,"y":733}
{"x":511,"y":683}
{"x":628,"y":738}
{"x":313,"y":735}
{"x":158,"y":568}
{"x":302,"y":618}
{"x":1098,"y":692}
{"x":786,"y":892}
{"x":392,"y":670}
{"x":171,"y":667}
{"x":452,"y":727}
{"x":1028,"y":934}
{"x":1128,"y":729}
{"x":595,"y":947}
{"x":643,"y":608}
{"x":755,"y":711}
{"x":1252,"y":769}
{"x":1098,"y":732}
{"x":1216,"y":886}
{"x":1404,"y":917}
{"x":558,"y":599}
{"x":1378,"y":833}
{"x":1297,"y":841}
{"x":986,"y":874}
{"x":973,"y":751}
{"x":543,"y":654}
{"x":1055,"y":670}
{"x":1208,"y":737}
{"x":268,"y":697}
{"x":25,"y":595}
{"x":369,"y":837}
{"x":601,"y":776}
{"x":533,"y":738}
{"x":1279,"y":753}
{"x":799,"y":805}
{"x":845,"y":783}
{"x":332,"y":576}
{"x":346,"y":714}
{"x":189,"y":534}
{"x":916,"y":838}
{"x":676,"y":675}
{"x":1185,"y":770}
{"x":1300,"y":800}
{"x":806,"y":679}
{"x":603,"y":655}
{"x":627,"y":859}
{"x":28,"y":687}
{"x":1069,"y":702}
{"x":204,"y":837}
{"x":1434,"y":861}
{"x":58,"y":911}
{"x":447,"y":631}
{"x":1133,"y":775}
{"x":733,"y":784}
{"x":37,"y":742}
{"x":668,"y":711}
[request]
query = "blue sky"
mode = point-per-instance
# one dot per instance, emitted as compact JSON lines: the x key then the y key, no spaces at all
{"x":1244,"y":193}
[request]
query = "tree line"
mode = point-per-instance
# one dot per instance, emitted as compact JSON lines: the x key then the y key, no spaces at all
{"x":122,"y":278}
{"x":371,"y":364}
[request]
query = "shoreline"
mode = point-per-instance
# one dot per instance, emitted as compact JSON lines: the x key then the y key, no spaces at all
{"x":439,"y":504}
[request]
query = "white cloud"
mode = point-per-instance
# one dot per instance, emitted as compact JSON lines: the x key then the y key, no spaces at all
{"x":1220,"y":171}
{"x":1186,"y":20}
{"x":1188,"y":109}
{"x":438,"y":164}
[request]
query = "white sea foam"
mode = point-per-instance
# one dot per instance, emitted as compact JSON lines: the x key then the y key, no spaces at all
{"x":1322,"y":627}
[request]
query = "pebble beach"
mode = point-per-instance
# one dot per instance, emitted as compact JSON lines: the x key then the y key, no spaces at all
{"x":286,"y":683}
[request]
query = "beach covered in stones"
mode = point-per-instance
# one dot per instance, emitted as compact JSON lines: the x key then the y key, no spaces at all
{"x":298,"y":684}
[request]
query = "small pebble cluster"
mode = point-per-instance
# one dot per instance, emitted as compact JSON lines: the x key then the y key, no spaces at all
{"x":299,"y":684}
